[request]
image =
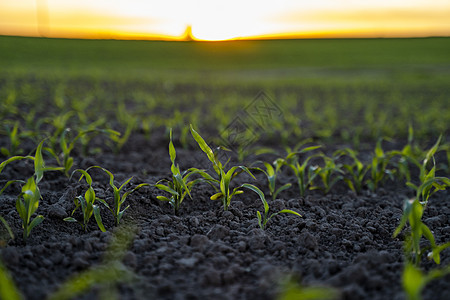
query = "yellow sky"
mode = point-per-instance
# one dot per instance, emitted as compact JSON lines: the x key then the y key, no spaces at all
{"x":216,"y":20}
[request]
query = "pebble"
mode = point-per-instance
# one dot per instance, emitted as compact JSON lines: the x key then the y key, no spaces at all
{"x":218,"y":232}
{"x":188,"y":262}
{"x":57,"y":211}
{"x":308,"y":241}
{"x":199,"y":241}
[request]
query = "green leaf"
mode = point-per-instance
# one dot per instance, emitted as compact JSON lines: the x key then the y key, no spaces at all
{"x":172,"y":152}
{"x":9,"y":183}
{"x":104,"y":203}
{"x":288,"y":211}
{"x":166,"y":189}
{"x":39,"y":163}
{"x":259,"y":192}
{"x":98,"y":218}
{"x":12,"y":159}
{"x":8,"y":289}
{"x":270,"y":170}
{"x":201,"y":142}
{"x":258,"y":215}
{"x":280,"y":189}
{"x":413,"y":281}
{"x":11,"y":234}
{"x":216,"y":196}
{"x":70,"y":219}
{"x":162,"y":198}
{"x":36,"y":221}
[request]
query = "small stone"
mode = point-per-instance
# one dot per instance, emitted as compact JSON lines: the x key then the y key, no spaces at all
{"x":308,"y":241}
{"x":188,"y":262}
{"x":199,"y":241}
{"x":256,"y":242}
{"x":218,"y":232}
{"x":57,"y":211}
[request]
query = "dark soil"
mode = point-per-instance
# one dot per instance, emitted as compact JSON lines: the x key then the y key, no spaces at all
{"x":343,"y":240}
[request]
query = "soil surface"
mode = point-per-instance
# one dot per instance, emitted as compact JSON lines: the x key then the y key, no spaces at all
{"x":343,"y":240}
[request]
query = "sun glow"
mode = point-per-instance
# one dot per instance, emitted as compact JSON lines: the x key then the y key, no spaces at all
{"x":223,"y":20}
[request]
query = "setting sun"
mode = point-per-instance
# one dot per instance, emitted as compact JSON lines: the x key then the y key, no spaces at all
{"x":212,"y":20}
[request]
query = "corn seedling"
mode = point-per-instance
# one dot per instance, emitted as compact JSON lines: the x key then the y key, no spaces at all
{"x":119,"y":199}
{"x":271,"y":174}
{"x":304,"y":175}
{"x":409,"y":154}
{"x":357,"y":170}
{"x":330,"y":173}
{"x":8,"y":289}
{"x":87,"y":204}
{"x":224,"y":177}
{"x":7,"y":227}
{"x":179,"y":187}
{"x":14,"y":141}
{"x":64,"y":159}
{"x":31,"y":194}
{"x":429,"y":182}
{"x":291,"y":290}
{"x":263,"y":219}
{"x":414,"y":280}
{"x":378,"y":167}
{"x":412,"y":213}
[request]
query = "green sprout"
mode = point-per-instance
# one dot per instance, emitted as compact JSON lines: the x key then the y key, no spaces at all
{"x":378,"y":167}
{"x":87,"y":204}
{"x":412,"y":213}
{"x":414,"y":280}
{"x":64,"y":159}
{"x":179,"y":187}
{"x":429,"y":182}
{"x":357,"y":170}
{"x":224,"y":177}
{"x":271,"y":174}
{"x":330,"y":173}
{"x":8,"y":289}
{"x":119,"y":199}
{"x":31,"y":194}
{"x":8,"y":228}
{"x":304,"y":178}
{"x":263,"y":219}
{"x":291,"y":290}
{"x":14,"y":140}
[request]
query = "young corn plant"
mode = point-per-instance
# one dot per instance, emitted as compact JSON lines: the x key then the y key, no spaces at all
{"x":271,"y":174}
{"x":412,"y":214}
{"x":8,"y":161}
{"x":357,"y":170}
{"x":65,"y":159}
{"x":330,"y":173}
{"x":225,"y":194}
{"x":304,"y":175}
{"x":265,"y":217}
{"x":378,"y":167}
{"x":179,"y":186}
{"x":87,"y":204}
{"x":14,"y":141}
{"x":429,"y":182}
{"x":410,"y":153}
{"x":414,"y":279}
{"x":8,"y":229}
{"x":119,"y":199}
{"x":28,"y":201}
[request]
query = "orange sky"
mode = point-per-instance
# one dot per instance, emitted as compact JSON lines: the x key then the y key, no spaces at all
{"x":217,"y":20}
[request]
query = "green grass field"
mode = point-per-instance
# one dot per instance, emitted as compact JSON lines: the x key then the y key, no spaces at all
{"x":252,"y":60}
{"x":341,"y":89}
